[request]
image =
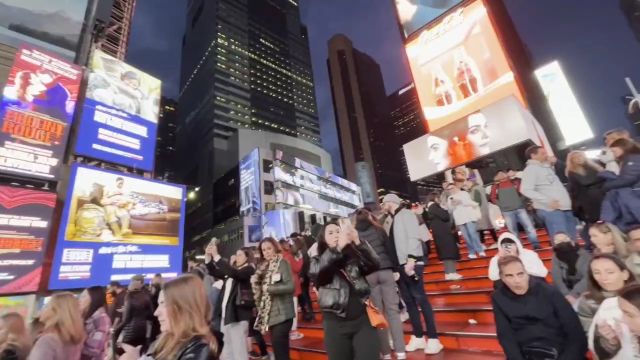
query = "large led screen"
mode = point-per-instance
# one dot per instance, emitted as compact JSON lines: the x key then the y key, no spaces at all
{"x":494,"y":128}
{"x":120,"y":114}
{"x":250,"y":196}
{"x":414,"y":14}
{"x":115,"y":226}
{"x":459,"y":66}
{"x":25,"y":219}
{"x":54,"y":25}
{"x":37,"y":108}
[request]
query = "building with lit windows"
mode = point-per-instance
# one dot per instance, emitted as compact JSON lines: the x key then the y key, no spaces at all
{"x":165,"y":161}
{"x":406,"y":116}
{"x":245,"y":65}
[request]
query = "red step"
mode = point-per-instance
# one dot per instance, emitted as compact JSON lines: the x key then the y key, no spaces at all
{"x":543,"y":239}
{"x":466,"y":263}
{"x":481,"y":270}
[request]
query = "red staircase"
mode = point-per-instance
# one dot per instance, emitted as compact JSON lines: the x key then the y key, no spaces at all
{"x":462,"y":309}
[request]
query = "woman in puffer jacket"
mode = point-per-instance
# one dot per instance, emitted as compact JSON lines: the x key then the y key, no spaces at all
{"x":339,"y":273}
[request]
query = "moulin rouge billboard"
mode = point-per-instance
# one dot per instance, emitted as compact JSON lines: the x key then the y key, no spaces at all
{"x":36,"y":111}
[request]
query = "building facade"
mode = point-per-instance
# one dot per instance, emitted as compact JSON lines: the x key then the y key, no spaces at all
{"x":165,"y":161}
{"x":115,"y":39}
{"x":368,"y":147}
{"x":406,"y":116}
{"x":245,"y":65}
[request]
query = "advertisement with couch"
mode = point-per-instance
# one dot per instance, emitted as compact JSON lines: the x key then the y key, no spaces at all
{"x":117,"y":225}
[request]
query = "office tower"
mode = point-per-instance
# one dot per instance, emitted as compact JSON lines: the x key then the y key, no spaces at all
{"x":165,"y":162}
{"x":406,"y":117}
{"x":245,"y":65}
{"x":367,"y":143}
{"x":115,"y":38}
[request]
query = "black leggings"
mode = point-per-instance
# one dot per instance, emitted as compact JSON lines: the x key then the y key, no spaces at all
{"x":280,"y":339}
{"x":350,"y":339}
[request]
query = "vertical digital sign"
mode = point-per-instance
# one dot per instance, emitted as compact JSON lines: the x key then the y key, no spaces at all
{"x":120,"y":114}
{"x":36,"y":111}
{"x":25,"y":218}
{"x":250,"y":196}
{"x":115,"y":226}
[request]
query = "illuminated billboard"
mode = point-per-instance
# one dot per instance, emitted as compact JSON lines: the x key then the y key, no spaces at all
{"x":563,"y":103}
{"x":25,"y":218}
{"x":120,"y":114}
{"x":54,"y":25}
{"x":36,"y":111}
{"x":414,"y":14}
{"x":250,"y":196}
{"x":115,"y":226}
{"x":496,"y":127}
{"x":459,"y":66}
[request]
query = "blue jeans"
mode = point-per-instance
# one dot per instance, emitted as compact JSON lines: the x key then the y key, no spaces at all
{"x":470,"y":233}
{"x":414,"y":296}
{"x":559,"y":221}
{"x":520,"y":216}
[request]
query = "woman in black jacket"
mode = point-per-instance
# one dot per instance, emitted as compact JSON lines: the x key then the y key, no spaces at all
{"x":135,"y":327}
{"x":586,"y":190}
{"x":439,"y":222}
{"x":339,"y":272}
{"x":236,"y":304}
{"x":382,"y":282}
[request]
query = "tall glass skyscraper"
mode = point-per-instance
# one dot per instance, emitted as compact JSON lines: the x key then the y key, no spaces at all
{"x":245,"y":64}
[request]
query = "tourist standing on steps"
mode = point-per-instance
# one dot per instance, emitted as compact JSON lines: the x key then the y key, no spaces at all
{"x":404,"y":232}
{"x":466,"y":213}
{"x":533,"y":319}
{"x":446,"y":244}
{"x":505,"y":192}
{"x":339,"y":272}
{"x":382,"y":282}
{"x":550,"y":198}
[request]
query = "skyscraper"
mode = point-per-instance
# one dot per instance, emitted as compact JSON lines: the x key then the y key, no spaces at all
{"x":115,"y":38}
{"x":367,"y":143}
{"x":406,"y":116}
{"x":165,"y":162}
{"x":245,"y":64}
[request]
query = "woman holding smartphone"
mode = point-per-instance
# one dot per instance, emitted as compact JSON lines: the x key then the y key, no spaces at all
{"x":339,"y":272}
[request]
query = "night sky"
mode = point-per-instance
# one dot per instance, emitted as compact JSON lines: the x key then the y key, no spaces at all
{"x":550,"y":31}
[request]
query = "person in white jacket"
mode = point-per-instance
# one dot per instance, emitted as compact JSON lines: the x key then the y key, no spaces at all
{"x":509,"y":244}
{"x":466,"y":213}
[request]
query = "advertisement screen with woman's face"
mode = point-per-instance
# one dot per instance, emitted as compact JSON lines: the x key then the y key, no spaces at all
{"x":494,"y":128}
{"x":459,"y":66}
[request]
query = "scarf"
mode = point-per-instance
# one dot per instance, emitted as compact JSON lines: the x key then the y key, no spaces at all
{"x":260,"y":284}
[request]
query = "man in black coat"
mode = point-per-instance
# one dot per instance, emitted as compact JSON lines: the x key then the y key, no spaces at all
{"x":533,"y":319}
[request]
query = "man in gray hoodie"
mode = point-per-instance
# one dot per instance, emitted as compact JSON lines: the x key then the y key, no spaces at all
{"x":549,"y":196}
{"x":405,"y":235}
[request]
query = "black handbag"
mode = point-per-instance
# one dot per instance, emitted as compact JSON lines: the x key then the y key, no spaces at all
{"x":244,"y":297}
{"x":539,"y":352}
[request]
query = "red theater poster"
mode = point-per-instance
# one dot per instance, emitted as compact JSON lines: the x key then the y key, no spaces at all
{"x":25,"y":217}
{"x":36,"y":111}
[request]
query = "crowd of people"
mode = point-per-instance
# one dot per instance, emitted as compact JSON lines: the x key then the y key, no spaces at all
{"x":367,"y":271}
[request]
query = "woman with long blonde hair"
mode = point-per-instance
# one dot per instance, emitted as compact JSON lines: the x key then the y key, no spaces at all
{"x":15,"y":341}
{"x":585,"y":189}
{"x":183,"y":310}
{"x":63,"y":334}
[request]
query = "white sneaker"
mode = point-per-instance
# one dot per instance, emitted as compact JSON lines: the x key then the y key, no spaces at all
{"x":386,"y":357}
{"x":415,"y":344}
{"x":483,"y":254}
{"x":473,"y":256}
{"x":401,"y":356}
{"x":434,"y":346}
{"x":456,"y":276}
{"x":448,"y":276}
